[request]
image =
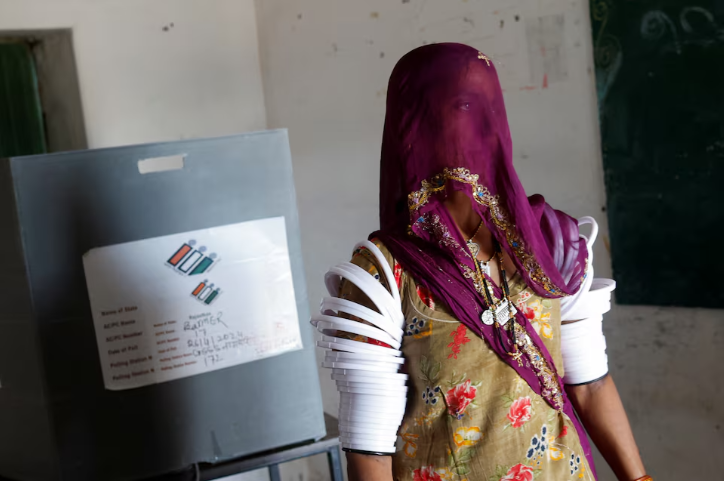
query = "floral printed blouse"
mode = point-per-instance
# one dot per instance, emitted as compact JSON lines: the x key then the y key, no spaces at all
{"x":469,"y":416}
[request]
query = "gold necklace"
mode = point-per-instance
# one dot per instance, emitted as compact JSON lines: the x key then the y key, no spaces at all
{"x":475,"y":248}
{"x":499,"y":311}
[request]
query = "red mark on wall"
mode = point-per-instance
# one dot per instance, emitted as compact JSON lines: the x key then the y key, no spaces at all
{"x":546,"y":82}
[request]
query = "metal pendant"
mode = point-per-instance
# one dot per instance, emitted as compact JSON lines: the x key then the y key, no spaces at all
{"x":485,"y":268}
{"x":474,"y":248}
{"x":487,"y":317}
{"x":504,"y":311}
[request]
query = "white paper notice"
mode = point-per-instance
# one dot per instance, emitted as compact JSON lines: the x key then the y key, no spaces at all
{"x":190,"y":303}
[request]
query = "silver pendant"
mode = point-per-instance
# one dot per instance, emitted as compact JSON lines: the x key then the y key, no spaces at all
{"x":503,"y":314}
{"x":474,"y":248}
{"x":485,"y":268}
{"x":504,"y":311}
{"x":487,"y":317}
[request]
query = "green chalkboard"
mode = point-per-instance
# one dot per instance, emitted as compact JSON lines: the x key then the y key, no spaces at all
{"x":22,"y":130}
{"x":659,"y":71}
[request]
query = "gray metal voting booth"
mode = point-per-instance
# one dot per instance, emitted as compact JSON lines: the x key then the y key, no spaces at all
{"x":57,"y":421}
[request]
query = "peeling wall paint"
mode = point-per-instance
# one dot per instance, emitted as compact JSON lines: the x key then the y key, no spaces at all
{"x":546,"y":49}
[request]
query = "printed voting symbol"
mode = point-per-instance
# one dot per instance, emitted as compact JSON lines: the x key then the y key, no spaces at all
{"x":191,"y":261}
{"x":205,"y":292}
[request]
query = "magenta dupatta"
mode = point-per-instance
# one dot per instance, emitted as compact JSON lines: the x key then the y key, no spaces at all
{"x":446,"y":129}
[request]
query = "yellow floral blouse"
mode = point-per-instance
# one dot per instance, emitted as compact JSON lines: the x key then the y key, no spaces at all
{"x":469,"y":416}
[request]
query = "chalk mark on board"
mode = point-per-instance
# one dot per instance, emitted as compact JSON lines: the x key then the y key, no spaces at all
{"x":655,"y":23}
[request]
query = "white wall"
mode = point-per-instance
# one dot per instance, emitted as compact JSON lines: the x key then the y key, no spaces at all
{"x":325,"y":67}
{"x":143,"y":80}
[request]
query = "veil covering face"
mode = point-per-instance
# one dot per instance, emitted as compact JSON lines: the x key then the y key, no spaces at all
{"x":446,"y":130}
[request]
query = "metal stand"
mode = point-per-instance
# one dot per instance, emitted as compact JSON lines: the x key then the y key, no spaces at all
{"x":271,"y":460}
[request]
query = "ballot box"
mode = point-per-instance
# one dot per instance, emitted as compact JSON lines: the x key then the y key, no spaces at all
{"x":153,"y":311}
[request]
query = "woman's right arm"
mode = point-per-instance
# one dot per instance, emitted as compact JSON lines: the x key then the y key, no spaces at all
{"x":365,"y":467}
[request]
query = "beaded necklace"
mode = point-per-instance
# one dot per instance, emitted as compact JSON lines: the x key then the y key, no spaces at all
{"x":475,"y":248}
{"x":499,"y":311}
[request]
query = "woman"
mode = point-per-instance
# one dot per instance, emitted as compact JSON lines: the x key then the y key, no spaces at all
{"x":479,"y":271}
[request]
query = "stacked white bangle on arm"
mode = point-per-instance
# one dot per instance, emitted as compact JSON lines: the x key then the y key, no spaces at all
{"x":583,"y":347}
{"x":372,"y":391}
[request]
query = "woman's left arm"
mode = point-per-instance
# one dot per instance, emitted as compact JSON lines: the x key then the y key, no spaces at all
{"x":591,"y":389}
{"x":600,"y":409}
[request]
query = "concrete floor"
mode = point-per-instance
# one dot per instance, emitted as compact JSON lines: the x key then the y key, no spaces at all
{"x":668,"y":366}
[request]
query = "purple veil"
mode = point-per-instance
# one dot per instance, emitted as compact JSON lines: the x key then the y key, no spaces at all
{"x":446,"y":129}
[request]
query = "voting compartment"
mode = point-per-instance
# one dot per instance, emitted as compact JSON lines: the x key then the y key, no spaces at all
{"x":153,"y":312}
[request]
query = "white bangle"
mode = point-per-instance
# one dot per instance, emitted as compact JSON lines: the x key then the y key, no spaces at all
{"x":335,"y":306}
{"x":331,"y":324}
{"x":583,"y":347}
{"x":344,"y":344}
{"x":372,"y":392}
